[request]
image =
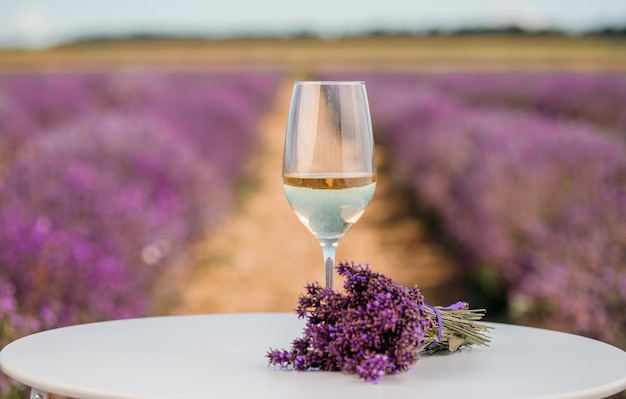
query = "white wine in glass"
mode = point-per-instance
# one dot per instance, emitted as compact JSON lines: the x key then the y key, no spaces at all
{"x":329,"y":170}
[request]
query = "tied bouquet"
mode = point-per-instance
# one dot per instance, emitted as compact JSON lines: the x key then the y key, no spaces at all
{"x":376,"y":327}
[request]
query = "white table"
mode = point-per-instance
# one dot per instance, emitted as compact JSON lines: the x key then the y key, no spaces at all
{"x":223,"y":356}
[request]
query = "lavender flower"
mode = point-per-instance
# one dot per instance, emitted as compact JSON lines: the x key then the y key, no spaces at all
{"x":376,"y":327}
{"x":372,"y":329}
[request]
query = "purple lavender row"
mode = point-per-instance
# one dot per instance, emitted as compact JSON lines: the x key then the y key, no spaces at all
{"x":596,"y":98}
{"x":189,"y":103}
{"x":106,"y":179}
{"x":537,"y":202}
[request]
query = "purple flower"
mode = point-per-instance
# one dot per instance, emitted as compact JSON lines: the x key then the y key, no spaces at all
{"x":372,"y":329}
{"x":374,"y":368}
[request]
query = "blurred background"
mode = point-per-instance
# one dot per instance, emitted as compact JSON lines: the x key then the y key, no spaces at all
{"x":141,"y":145}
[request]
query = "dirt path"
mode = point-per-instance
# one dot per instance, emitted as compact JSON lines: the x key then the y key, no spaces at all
{"x":260,"y":260}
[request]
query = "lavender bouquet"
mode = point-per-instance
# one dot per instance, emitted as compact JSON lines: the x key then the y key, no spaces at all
{"x":376,"y":327}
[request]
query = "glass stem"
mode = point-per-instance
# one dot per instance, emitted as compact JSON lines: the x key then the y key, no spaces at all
{"x":329,"y":248}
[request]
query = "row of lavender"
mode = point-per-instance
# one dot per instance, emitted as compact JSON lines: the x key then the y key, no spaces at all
{"x":527,"y":173}
{"x":592,"y":98}
{"x":105,"y":178}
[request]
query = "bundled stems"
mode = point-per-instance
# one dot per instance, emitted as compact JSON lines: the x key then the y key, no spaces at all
{"x":375,"y":327}
{"x":454,"y":328}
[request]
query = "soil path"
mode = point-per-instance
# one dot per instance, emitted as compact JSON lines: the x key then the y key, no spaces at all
{"x":262,"y":257}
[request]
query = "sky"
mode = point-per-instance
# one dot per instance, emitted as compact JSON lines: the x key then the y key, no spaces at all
{"x":36,"y":24}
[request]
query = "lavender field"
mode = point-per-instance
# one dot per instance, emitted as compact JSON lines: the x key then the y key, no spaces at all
{"x":525,"y":175}
{"x":105,"y":179}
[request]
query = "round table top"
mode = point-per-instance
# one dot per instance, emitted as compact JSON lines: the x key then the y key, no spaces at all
{"x":223,"y":356}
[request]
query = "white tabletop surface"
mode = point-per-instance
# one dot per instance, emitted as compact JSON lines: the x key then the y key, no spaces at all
{"x":223,"y":356}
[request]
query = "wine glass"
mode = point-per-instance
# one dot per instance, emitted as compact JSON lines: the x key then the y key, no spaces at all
{"x":329,"y":169}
